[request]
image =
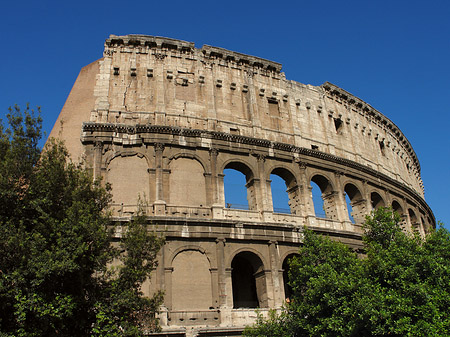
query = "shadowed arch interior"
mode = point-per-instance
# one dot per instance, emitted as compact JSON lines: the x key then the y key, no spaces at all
{"x":286,"y":267}
{"x":248,"y":281}
{"x":376,"y":200}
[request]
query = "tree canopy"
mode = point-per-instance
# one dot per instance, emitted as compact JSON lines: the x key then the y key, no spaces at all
{"x":61,"y":274}
{"x":399,"y":287}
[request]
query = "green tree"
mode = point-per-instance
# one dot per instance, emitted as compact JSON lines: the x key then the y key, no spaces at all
{"x":61,"y":274}
{"x":401,"y":287}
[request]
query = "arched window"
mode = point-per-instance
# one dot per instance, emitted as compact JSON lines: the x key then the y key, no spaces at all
{"x":376,"y":200}
{"x":239,"y":187}
{"x":413,"y":218}
{"x":397,"y":208}
{"x":249,"y":281}
{"x":356,"y":204}
{"x":326,"y":199}
{"x":285,"y":193}
{"x":286,"y":267}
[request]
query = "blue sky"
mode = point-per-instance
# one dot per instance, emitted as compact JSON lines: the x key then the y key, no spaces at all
{"x":395,"y":55}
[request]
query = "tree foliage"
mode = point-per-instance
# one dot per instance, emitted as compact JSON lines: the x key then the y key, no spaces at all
{"x":61,"y":274}
{"x":401,"y":287}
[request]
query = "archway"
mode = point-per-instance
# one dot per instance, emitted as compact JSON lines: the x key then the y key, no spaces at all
{"x":286,"y":268}
{"x":285,"y":192}
{"x":248,"y":281}
{"x":327,"y":198}
{"x":356,"y":205}
{"x":239,"y":186}
{"x":376,"y":200}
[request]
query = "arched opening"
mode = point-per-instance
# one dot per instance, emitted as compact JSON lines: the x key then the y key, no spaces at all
{"x":376,"y":200}
{"x":356,"y":204}
{"x":413,"y":219}
{"x":286,"y":268}
{"x":324,"y":203}
{"x":239,"y":187}
{"x":349,"y":208}
{"x":285,"y":193}
{"x":248,"y":281}
{"x":397,"y":208}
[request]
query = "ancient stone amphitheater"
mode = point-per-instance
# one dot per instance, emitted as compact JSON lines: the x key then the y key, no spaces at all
{"x":159,"y":118}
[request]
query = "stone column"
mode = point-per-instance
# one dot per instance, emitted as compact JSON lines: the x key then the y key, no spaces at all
{"x":366,"y":195}
{"x":160,"y":204}
{"x":306,"y":190}
{"x":277,"y":281}
{"x":213,"y":153}
{"x":98,"y":148}
{"x":220,"y":251}
{"x":262,"y":194}
{"x":341,"y":205}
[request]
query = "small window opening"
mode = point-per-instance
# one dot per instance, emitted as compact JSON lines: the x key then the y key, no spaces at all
{"x":314,"y":147}
{"x":337,"y":124}
{"x":116,"y":71}
{"x":381,"y":143}
{"x":234,"y":131}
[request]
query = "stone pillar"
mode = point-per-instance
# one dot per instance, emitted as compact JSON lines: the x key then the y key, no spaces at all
{"x":222,"y":293}
{"x":160,"y":204}
{"x":168,"y":287}
{"x":98,"y":149}
{"x":277,"y":277}
{"x":262,"y":195}
{"x":213,"y":153}
{"x":366,"y":195}
{"x":341,"y":204}
{"x":305,"y":192}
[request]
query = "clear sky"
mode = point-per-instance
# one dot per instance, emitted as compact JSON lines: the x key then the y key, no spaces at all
{"x":395,"y":55}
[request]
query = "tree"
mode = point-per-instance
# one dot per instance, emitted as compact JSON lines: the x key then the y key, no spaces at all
{"x":60,"y":272}
{"x":400,"y":287}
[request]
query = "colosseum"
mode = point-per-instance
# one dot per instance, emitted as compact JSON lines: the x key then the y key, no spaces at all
{"x":165,"y":121}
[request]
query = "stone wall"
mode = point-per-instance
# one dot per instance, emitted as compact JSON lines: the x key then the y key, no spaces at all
{"x":160,"y":120}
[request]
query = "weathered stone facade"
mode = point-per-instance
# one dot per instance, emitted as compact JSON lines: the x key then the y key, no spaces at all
{"x":162,"y":119}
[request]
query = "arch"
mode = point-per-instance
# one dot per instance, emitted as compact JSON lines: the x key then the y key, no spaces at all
{"x":376,"y":200}
{"x":292,"y":191}
{"x":356,"y":205}
{"x":188,"y":247}
{"x":248,"y":281}
{"x":236,"y":187}
{"x":110,"y":155}
{"x":187,"y":174}
{"x":397,"y":208}
{"x":415,"y":225}
{"x":327,"y":196}
{"x":128,"y":176}
{"x":246,"y":249}
{"x":191,"y":293}
{"x":190,"y":156}
{"x":286,"y":267}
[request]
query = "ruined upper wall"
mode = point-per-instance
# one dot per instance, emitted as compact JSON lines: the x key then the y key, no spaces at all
{"x":161,"y":81}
